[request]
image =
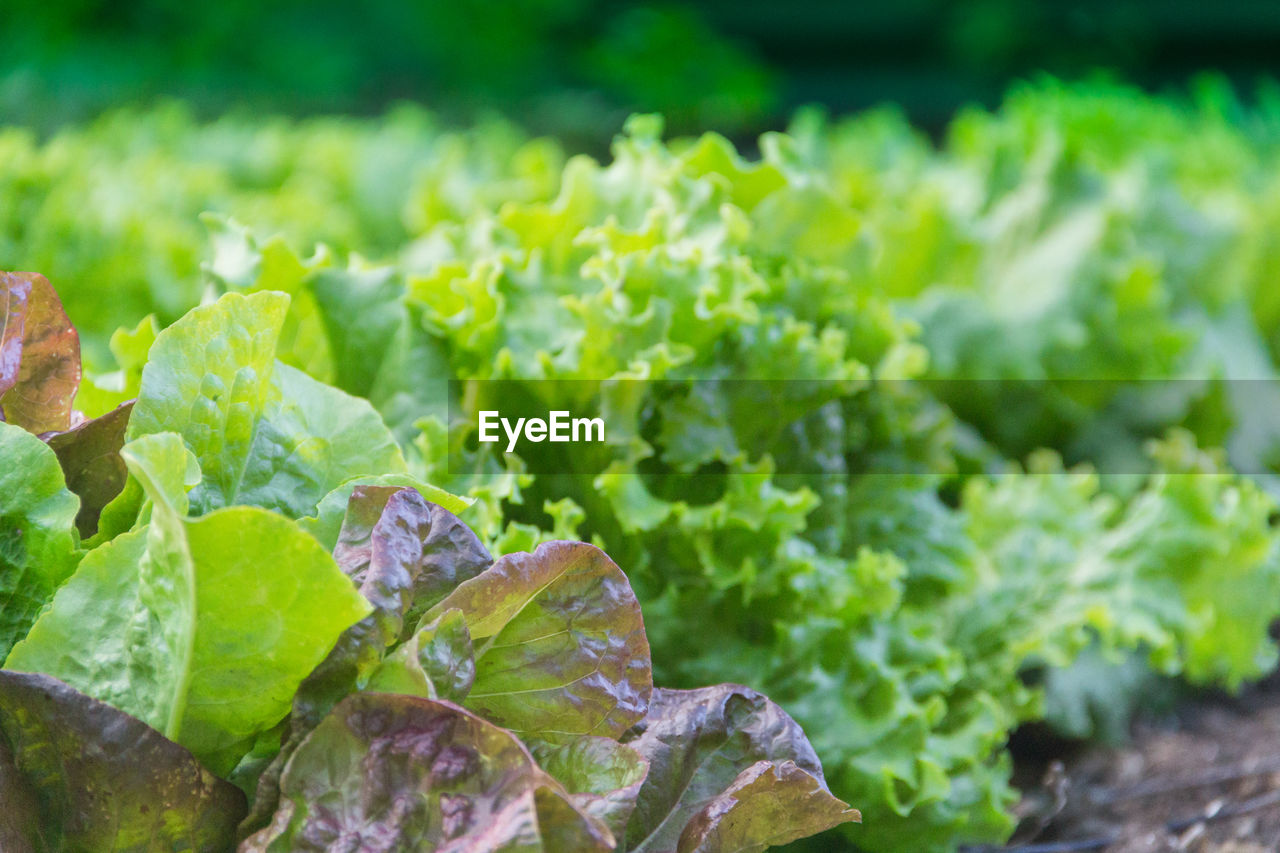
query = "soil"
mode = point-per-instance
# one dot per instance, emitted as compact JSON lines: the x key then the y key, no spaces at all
{"x":1206,"y":780}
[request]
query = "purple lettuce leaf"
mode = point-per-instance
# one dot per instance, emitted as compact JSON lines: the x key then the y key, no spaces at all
{"x":560,"y":645}
{"x":386,"y":773}
{"x":770,"y":804}
{"x":725,"y":753}
{"x":397,"y":547}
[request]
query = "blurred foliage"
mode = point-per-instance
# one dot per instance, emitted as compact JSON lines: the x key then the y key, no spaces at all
{"x":575,"y":68}
{"x":556,"y":63}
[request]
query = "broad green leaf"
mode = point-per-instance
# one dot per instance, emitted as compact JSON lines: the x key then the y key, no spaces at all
{"x":202,"y":628}
{"x":37,"y":537}
{"x":559,"y":643}
{"x":208,"y":379}
{"x":89,"y":454}
{"x":265,"y":434}
{"x":39,"y":354}
{"x":769,"y":804}
{"x":602,"y":776}
{"x":310,"y":439}
{"x":387,"y":772}
{"x":700,"y":745}
{"x":91,"y":777}
{"x":362,"y":312}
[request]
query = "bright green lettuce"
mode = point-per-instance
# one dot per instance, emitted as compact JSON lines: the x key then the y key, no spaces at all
{"x":37,"y":537}
{"x":179,"y":624}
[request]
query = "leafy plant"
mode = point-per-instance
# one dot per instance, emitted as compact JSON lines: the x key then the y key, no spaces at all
{"x":1008,"y":461}
{"x":215,"y":663}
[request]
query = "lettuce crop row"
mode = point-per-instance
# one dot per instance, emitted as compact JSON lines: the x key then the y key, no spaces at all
{"x":948,"y":578}
{"x":261,"y":609}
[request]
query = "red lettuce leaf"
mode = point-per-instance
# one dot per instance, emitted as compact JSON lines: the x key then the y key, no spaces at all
{"x":398,"y":548}
{"x":705,"y":750}
{"x":389,"y":773}
{"x":39,"y":355}
{"x":769,"y":804}
{"x":559,"y":643}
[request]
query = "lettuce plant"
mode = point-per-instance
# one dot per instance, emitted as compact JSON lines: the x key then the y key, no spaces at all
{"x":907,"y":604}
{"x":269,"y":639}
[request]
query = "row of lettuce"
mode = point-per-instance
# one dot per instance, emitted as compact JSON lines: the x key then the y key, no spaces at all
{"x":909,"y":622}
{"x":228,"y":622}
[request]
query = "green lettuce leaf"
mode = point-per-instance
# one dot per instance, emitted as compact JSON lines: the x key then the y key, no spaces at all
{"x":37,"y":537}
{"x":559,"y":643}
{"x":602,"y":776}
{"x":264,"y":433}
{"x":437,"y":662}
{"x":90,"y":777}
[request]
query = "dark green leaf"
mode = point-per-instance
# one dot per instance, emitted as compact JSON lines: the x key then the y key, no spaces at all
{"x":90,"y":457}
{"x":101,"y":780}
{"x":392,"y":773}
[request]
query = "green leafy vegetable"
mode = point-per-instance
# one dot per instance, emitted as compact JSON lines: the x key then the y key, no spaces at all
{"x":178,"y":624}
{"x":559,"y":643}
{"x":37,"y":539}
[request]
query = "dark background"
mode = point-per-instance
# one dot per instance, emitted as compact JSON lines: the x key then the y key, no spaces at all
{"x":576,"y":67}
